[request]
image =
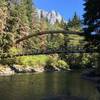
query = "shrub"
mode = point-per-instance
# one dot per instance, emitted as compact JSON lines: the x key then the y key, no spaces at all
{"x":32,"y":60}
{"x":62,"y":64}
{"x":14,"y":50}
{"x":51,"y":61}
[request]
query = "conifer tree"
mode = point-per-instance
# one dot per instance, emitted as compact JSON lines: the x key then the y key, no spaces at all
{"x":74,"y":23}
{"x":92,"y":20}
{"x":92,"y":15}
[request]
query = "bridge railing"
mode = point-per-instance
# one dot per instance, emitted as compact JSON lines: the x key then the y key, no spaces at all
{"x":67,"y":50}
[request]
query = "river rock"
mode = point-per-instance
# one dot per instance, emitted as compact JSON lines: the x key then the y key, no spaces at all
{"x":39,"y":69}
{"x":29,"y":69}
{"x":50,"y":68}
{"x":6,"y":70}
{"x":22,"y":69}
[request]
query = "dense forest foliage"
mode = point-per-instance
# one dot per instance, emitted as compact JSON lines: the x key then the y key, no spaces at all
{"x":92,"y":22}
{"x":92,"y":15}
{"x":19,"y":18}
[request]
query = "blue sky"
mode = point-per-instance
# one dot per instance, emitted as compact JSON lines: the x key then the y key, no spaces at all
{"x":65,"y":7}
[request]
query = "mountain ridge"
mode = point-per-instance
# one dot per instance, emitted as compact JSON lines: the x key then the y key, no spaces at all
{"x":51,"y":16}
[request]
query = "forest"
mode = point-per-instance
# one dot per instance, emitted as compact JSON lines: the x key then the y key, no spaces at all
{"x":19,"y":18}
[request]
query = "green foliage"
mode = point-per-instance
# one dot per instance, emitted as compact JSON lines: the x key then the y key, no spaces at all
{"x":74,"y":24}
{"x":6,"y":41}
{"x":51,"y":61}
{"x":85,"y":59}
{"x":89,"y":60}
{"x":92,"y":20}
{"x":3,"y":3}
{"x":55,"y":41}
{"x":92,"y":15}
{"x":19,"y":18}
{"x":14,"y":23}
{"x":42,"y":60}
{"x":57,"y":63}
{"x":76,"y":60}
{"x":62,"y":64}
{"x":33,"y":61}
{"x":75,"y":40}
{"x":14,"y":51}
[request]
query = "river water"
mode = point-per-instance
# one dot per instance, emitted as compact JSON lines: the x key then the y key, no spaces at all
{"x":38,"y":86}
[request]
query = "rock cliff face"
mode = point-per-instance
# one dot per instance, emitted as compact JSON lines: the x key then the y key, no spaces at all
{"x":51,"y":17}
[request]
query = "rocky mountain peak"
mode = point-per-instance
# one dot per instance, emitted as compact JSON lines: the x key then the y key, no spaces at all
{"x":52,"y":16}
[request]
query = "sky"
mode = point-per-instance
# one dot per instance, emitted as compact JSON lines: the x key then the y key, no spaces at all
{"x":66,"y":8}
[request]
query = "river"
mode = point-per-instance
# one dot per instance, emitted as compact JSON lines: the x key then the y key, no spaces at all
{"x":40,"y":85}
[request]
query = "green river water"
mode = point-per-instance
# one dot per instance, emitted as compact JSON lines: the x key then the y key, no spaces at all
{"x":40,"y":85}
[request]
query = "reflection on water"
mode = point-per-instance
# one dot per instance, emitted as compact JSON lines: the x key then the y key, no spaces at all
{"x":37,"y":86}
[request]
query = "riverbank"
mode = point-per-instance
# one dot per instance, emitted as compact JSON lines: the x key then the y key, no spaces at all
{"x":6,"y":70}
{"x":31,"y":64}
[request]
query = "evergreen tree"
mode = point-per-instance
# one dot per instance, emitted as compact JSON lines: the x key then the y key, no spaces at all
{"x":69,"y":23}
{"x":75,"y":23}
{"x":62,"y":24}
{"x":92,"y":20}
{"x":6,"y":37}
{"x":92,"y":15}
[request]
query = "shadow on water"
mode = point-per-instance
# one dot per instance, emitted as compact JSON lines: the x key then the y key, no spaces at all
{"x":47,"y":86}
{"x":63,"y":97}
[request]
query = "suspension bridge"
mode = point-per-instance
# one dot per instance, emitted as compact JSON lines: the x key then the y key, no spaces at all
{"x":65,"y":49}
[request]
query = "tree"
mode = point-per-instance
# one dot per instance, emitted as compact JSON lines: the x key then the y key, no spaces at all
{"x":75,"y":23}
{"x":92,"y":15}
{"x":92,"y":19}
{"x":15,"y":22}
